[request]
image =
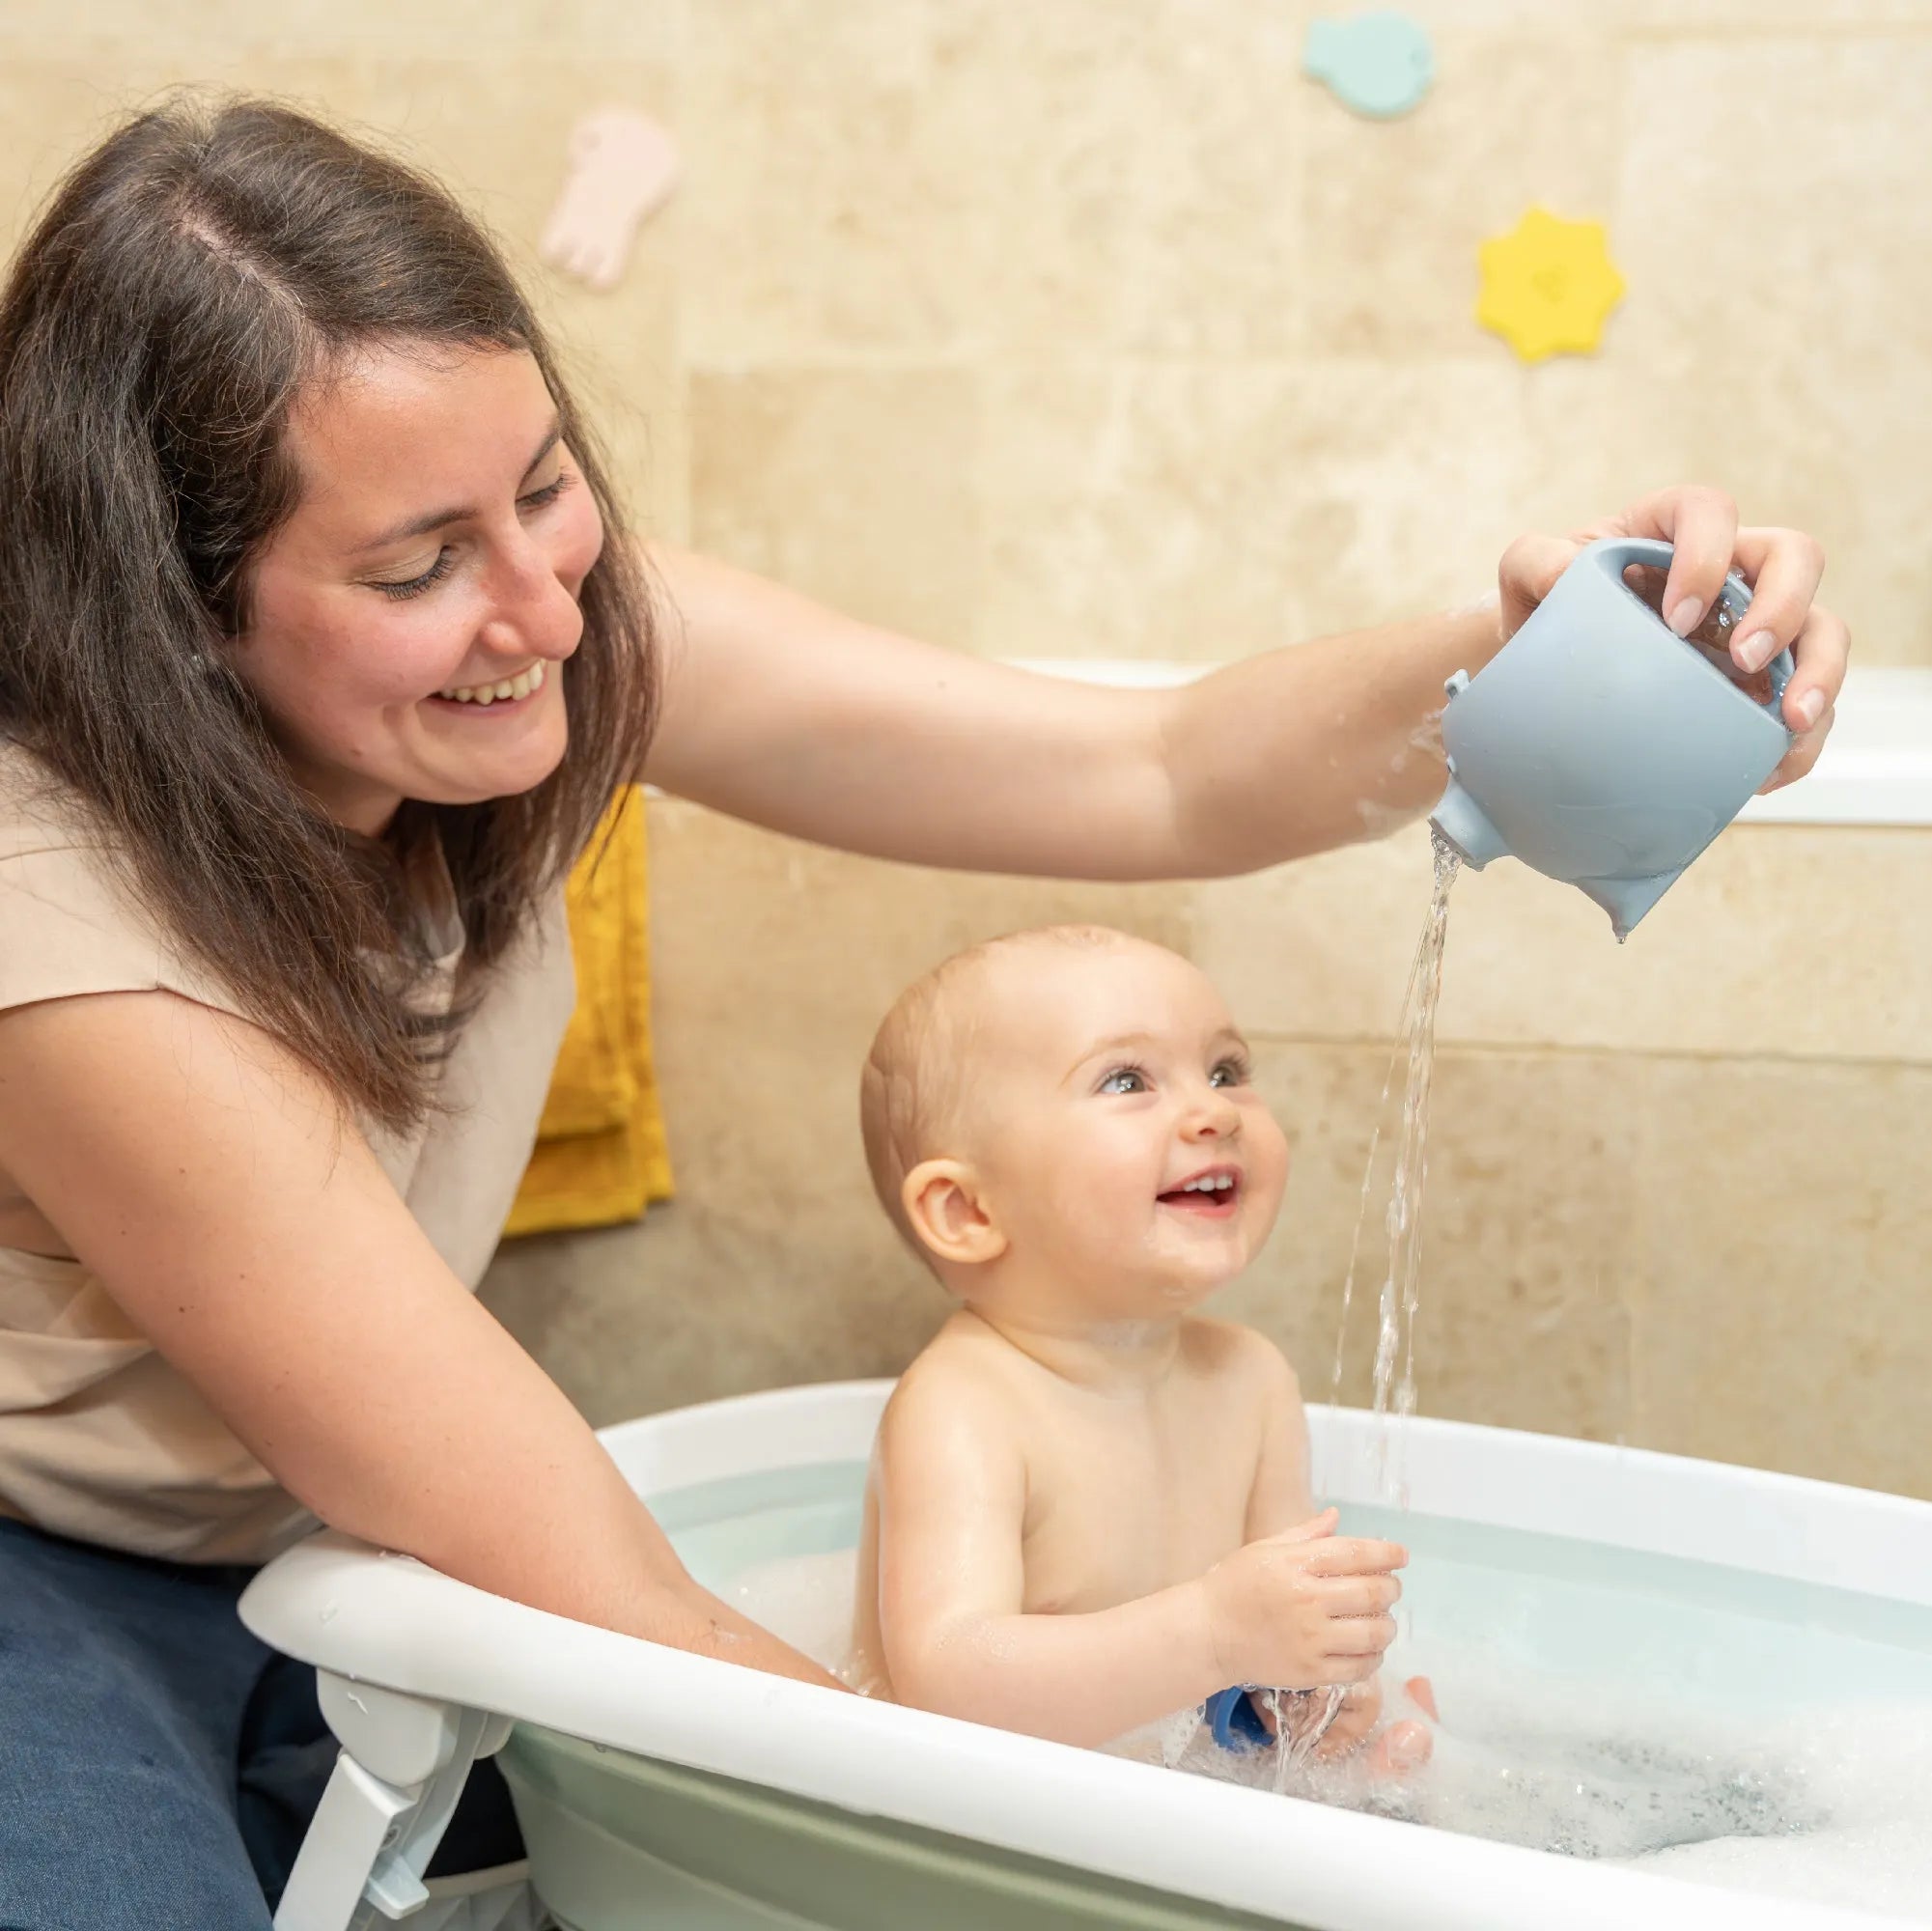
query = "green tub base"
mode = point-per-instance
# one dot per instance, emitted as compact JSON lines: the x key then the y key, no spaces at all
{"x":625,"y":1844}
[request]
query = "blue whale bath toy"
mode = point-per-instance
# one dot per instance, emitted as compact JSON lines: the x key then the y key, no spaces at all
{"x":1599,"y":746}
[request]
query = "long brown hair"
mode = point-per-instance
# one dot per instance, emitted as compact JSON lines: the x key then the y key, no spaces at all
{"x":186,"y":283}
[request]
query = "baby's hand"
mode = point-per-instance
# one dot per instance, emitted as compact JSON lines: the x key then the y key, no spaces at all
{"x":1306,"y":1606}
{"x":1400,"y":1749}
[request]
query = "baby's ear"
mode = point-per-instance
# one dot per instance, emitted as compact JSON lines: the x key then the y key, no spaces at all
{"x":942,"y":1202}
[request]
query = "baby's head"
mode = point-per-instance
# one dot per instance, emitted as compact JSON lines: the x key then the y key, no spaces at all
{"x":1067,"y":1113}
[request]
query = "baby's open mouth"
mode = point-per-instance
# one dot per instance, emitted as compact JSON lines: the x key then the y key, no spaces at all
{"x":1213,"y":1193}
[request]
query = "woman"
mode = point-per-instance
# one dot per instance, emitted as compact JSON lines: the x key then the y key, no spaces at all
{"x":323,"y":650}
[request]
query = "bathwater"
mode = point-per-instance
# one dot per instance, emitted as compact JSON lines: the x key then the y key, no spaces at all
{"x":1599,"y":1702}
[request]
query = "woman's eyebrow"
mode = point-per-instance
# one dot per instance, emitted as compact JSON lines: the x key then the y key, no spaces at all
{"x":421,"y":526}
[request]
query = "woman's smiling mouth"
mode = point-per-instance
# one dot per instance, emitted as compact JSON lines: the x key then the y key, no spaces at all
{"x":504,"y":690}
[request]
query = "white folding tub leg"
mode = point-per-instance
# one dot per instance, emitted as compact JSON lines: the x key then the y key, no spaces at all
{"x":403,"y":1766}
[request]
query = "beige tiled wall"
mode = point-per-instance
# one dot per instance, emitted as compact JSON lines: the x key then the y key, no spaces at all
{"x":1677,"y":1190}
{"x":1088,"y":327}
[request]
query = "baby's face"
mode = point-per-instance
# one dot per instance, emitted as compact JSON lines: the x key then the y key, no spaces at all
{"x":1123,"y":1151}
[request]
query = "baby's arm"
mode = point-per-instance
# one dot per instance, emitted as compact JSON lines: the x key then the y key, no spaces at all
{"x":951,"y":1493}
{"x":950,"y":1487}
{"x":1281,"y":1497}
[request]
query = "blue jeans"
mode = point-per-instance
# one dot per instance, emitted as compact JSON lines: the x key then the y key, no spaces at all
{"x":158,"y":1765}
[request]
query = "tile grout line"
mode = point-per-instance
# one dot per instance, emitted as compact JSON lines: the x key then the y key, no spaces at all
{"x":1556,"y":1050}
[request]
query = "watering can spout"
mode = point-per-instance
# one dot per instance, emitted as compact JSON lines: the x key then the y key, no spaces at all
{"x":1464,"y":826}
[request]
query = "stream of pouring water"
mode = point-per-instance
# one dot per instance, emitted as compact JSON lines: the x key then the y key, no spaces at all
{"x":1303,"y":1720}
{"x":1301,"y":1717}
{"x":1402,"y":1219}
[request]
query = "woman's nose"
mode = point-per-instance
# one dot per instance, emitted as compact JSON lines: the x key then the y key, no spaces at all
{"x":536,"y":613}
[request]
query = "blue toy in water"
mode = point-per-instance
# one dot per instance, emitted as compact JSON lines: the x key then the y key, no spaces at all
{"x":1233,"y":1722}
{"x":1378,"y":64}
{"x":1600,"y":747}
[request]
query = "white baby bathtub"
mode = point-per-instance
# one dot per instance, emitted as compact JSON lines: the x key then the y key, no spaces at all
{"x":740,"y":1800}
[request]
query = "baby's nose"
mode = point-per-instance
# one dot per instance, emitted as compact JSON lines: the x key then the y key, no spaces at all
{"x":1213,"y":1117}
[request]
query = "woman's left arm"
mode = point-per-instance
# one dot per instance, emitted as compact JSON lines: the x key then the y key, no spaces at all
{"x":778,"y":710}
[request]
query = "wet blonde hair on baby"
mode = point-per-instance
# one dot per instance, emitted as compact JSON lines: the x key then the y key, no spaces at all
{"x":915,"y":1090}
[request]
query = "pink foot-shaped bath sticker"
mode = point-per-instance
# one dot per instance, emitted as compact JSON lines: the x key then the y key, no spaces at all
{"x":1549,"y":284}
{"x":623,"y":167}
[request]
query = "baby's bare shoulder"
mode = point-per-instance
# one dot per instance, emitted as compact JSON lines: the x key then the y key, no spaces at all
{"x":957,"y":1381}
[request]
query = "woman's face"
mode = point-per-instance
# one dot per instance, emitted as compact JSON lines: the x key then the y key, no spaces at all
{"x":408,"y":624}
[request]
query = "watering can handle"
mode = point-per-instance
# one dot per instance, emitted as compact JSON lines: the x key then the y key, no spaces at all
{"x":1616,"y":554}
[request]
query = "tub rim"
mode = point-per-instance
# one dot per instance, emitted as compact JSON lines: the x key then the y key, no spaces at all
{"x":387,"y":1620}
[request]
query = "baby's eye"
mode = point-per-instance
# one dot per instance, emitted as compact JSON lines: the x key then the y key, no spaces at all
{"x":1229,"y":1073}
{"x":1125,"y":1079}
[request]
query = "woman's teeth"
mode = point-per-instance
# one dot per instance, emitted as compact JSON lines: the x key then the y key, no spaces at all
{"x":520,"y":686}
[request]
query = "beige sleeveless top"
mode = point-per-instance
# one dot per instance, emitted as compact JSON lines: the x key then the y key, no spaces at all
{"x":100,"y":1438}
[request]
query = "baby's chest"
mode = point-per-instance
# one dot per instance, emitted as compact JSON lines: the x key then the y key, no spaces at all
{"x":1113,"y":1515}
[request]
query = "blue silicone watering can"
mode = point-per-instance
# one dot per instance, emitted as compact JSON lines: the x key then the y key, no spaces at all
{"x":1599,"y":746}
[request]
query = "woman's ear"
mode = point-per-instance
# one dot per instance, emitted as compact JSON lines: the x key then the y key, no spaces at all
{"x":947,"y":1212}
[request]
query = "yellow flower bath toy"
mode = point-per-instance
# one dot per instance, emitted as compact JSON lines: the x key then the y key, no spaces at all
{"x":1547,"y":284}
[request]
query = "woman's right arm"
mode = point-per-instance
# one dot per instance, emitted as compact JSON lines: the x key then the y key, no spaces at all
{"x":238,"y":1219}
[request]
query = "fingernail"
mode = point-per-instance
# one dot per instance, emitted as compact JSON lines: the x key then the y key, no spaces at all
{"x":1754,"y":652}
{"x":1811,"y":707}
{"x":1685,"y":618}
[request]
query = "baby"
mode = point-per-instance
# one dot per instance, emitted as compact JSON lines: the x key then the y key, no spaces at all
{"x":1088,"y":1505}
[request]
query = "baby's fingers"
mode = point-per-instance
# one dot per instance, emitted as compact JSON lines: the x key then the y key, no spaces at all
{"x":1356,"y":1555}
{"x":1313,"y":1529}
{"x":1360,"y":1635}
{"x":1422,"y":1693}
{"x":1359,"y":1595}
{"x":1356,"y":1717}
{"x":1340,"y":1667}
{"x":1401,"y":1749}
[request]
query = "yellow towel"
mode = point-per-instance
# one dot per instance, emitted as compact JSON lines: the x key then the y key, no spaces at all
{"x":601,"y":1156}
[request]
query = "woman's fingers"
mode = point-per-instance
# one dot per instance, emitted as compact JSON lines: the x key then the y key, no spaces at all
{"x":1701,"y":526}
{"x":1819,"y":652}
{"x":1783,"y":569}
{"x":1527,"y":572}
{"x":1803,"y":754}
